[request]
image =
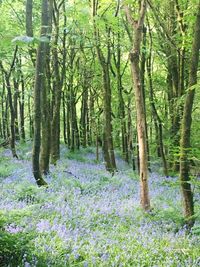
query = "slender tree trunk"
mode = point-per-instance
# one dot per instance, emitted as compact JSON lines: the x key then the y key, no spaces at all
{"x":63,"y":73}
{"x":1,"y":129}
{"x":29,"y":28}
{"x":142,"y":75}
{"x":31,"y":129}
{"x":15,"y":106}
{"x":45,"y":104}
{"x":91,"y":120}
{"x":7,"y":119}
{"x":131,"y":148}
{"x":72,"y":103}
{"x":10,"y":101}
{"x":139,"y":100}
{"x":107,"y":134}
{"x":188,"y":202}
{"x":108,"y":147}
{"x":122,"y":115}
{"x":64,"y":116}
{"x":21,"y":106}
{"x":3,"y":112}
{"x":156,"y":117}
{"x":12,"y":119}
{"x":38,"y":89}
{"x":68,"y":122}
{"x":57,"y":89}
{"x":84,"y":112}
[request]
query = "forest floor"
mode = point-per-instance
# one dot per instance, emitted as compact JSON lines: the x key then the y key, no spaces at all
{"x":86,"y":217}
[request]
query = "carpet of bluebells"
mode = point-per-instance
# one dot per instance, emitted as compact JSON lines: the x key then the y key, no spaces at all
{"x":87,"y":217}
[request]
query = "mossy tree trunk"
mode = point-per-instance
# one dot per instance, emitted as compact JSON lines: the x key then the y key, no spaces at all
{"x":188,"y":202}
{"x":122,"y":113}
{"x":45,"y":104}
{"x":58,"y":81}
{"x":38,"y":90}
{"x":29,"y":28}
{"x":71,"y":94}
{"x":156,"y":117}
{"x":108,"y":146}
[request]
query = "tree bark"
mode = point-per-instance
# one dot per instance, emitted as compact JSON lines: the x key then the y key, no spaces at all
{"x":122,"y":114}
{"x":21,"y":105}
{"x":108,"y":147}
{"x":139,"y":101}
{"x":188,"y":202}
{"x":45,"y":104}
{"x":10,"y":101}
{"x":156,"y":117}
{"x":29,"y":27}
{"x":84,"y":111}
{"x":38,"y":88}
{"x":57,"y":89}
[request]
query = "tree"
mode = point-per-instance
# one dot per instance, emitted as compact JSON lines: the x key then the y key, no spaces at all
{"x":7,"y":75}
{"x":157,"y":120}
{"x":45,"y":103}
{"x":139,"y":101}
{"x":185,"y":146}
{"x":29,"y":27}
{"x":38,"y":88}
{"x":108,"y":147}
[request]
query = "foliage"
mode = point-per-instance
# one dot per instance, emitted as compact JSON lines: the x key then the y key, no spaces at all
{"x":6,"y":167}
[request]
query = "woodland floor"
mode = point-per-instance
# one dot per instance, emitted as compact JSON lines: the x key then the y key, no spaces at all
{"x":86,"y":217}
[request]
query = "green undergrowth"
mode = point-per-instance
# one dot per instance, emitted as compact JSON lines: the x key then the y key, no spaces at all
{"x":7,"y":167}
{"x":89,"y":218}
{"x":134,"y":239}
{"x":80,"y":155}
{"x":75,"y":155}
{"x":118,"y":243}
{"x":24,"y":150}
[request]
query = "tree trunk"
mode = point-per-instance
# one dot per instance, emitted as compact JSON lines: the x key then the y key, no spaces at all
{"x":64,"y":116}
{"x":142,"y":75}
{"x":107,"y":133}
{"x":29,"y":27}
{"x":68,"y":122}
{"x":15,"y":106}
{"x":38,"y":88}
{"x":188,"y":202}
{"x":122,"y":115}
{"x":156,"y":117}
{"x":84,"y":112}
{"x":21,"y":105}
{"x":45,"y":104}
{"x":10,"y":101}
{"x":108,"y":147}
{"x":131,"y":147}
{"x":3,"y":112}
{"x":139,"y":101}
{"x":31,"y":129}
{"x":57,"y":89}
